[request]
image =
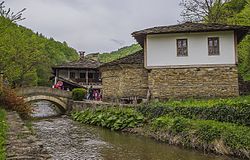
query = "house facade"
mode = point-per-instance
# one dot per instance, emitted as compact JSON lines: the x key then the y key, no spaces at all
{"x":189,"y":60}
{"x":82,"y":73}
{"x":125,"y":79}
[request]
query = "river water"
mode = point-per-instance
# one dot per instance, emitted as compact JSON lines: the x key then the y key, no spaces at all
{"x":66,"y":139}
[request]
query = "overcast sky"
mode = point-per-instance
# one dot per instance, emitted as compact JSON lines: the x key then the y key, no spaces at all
{"x":95,"y":25}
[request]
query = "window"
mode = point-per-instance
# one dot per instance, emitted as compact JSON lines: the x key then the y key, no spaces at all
{"x":182,"y":47}
{"x":213,"y":46}
{"x":82,"y":75}
{"x":72,"y":75}
{"x":91,"y":75}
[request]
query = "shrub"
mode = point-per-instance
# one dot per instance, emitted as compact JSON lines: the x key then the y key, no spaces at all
{"x":10,"y":101}
{"x":206,"y":131}
{"x":113,"y":118}
{"x":238,"y":113}
{"x":78,"y":94}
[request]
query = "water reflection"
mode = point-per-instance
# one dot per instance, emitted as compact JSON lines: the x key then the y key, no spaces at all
{"x":44,"y":109}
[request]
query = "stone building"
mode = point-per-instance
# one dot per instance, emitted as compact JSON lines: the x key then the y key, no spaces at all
{"x":192,"y":59}
{"x":81,"y":73}
{"x":189,"y":60}
{"x":125,"y":78}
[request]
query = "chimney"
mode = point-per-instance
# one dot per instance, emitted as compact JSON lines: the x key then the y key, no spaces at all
{"x":81,"y":54}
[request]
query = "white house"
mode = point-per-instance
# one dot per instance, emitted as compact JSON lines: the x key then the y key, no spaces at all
{"x":191,"y":59}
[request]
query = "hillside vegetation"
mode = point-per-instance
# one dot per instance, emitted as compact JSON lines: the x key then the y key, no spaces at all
{"x":26,"y":57}
{"x":122,"y":52}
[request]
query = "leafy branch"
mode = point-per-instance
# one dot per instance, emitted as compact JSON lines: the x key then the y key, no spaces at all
{"x":7,"y":13}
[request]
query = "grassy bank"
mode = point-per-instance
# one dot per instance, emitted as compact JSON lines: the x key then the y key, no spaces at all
{"x":220,"y":126}
{"x":207,"y":135}
{"x":224,"y":110}
{"x":3,"y":130}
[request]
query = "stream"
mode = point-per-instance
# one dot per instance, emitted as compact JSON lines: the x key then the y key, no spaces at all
{"x":66,"y":139}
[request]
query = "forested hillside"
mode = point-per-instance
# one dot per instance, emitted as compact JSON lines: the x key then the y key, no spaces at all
{"x":26,"y":57}
{"x":122,"y":52}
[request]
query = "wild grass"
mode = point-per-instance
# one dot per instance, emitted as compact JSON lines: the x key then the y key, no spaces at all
{"x":3,"y":130}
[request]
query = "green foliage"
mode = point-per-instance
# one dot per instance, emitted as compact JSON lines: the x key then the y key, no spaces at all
{"x":113,"y":118}
{"x":206,"y":131}
{"x":78,"y":94}
{"x":122,"y":52}
{"x":238,"y":13}
{"x":26,"y":57}
{"x":3,"y":130}
{"x":225,"y":110}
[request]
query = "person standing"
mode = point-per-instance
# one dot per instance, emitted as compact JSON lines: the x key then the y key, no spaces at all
{"x":90,"y":93}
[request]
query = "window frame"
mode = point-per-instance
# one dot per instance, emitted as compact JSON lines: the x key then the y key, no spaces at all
{"x":215,"y":49}
{"x":84,"y":73}
{"x":90,"y":73}
{"x":70,"y":75}
{"x":182,"y":48}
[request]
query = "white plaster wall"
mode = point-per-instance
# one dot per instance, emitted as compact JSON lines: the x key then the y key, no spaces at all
{"x":162,"y":49}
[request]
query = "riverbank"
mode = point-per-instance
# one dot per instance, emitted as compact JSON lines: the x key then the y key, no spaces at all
{"x":3,"y":132}
{"x":219,"y":126}
{"x":21,"y":142}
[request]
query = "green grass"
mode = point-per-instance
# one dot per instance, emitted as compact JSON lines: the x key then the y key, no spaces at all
{"x":235,"y":110}
{"x":205,"y":103}
{"x":3,"y":130}
{"x":205,"y":131}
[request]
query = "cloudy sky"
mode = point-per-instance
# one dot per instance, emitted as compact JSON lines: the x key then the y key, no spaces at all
{"x":95,"y":25}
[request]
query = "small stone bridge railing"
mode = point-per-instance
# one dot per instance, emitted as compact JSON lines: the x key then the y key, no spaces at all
{"x":59,"y":97}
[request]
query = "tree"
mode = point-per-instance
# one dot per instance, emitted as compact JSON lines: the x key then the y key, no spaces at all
{"x":243,"y":18}
{"x":7,"y":13}
{"x":209,"y":11}
{"x":26,"y":57}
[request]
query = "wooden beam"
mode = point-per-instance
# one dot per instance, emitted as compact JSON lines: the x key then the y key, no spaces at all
{"x":87,"y":77}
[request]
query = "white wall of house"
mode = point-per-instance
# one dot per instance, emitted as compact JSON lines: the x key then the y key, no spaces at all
{"x":161,"y":50}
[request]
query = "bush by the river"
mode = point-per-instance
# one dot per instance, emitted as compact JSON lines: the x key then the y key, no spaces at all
{"x":3,"y":130}
{"x":235,"y":110}
{"x":113,"y":118}
{"x":11,"y":101}
{"x":78,"y":94}
{"x":205,"y":132}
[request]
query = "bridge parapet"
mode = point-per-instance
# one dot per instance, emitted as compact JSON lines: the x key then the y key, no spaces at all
{"x":31,"y":91}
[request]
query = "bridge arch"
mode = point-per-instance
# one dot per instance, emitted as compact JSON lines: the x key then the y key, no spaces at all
{"x":58,"y":102}
{"x":56,"y":96}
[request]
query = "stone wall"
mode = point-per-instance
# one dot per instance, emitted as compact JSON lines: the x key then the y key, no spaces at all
{"x":122,"y":81}
{"x":77,"y":106}
{"x":198,"y":82}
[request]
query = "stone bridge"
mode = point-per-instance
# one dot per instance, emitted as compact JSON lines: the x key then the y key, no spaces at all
{"x":58,"y":97}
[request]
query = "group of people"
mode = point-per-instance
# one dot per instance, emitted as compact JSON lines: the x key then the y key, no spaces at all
{"x":94,"y":94}
{"x":58,"y":85}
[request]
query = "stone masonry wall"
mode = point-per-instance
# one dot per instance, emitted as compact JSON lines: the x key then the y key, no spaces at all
{"x":124,"y":81}
{"x":110,"y":83}
{"x":193,"y":82}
